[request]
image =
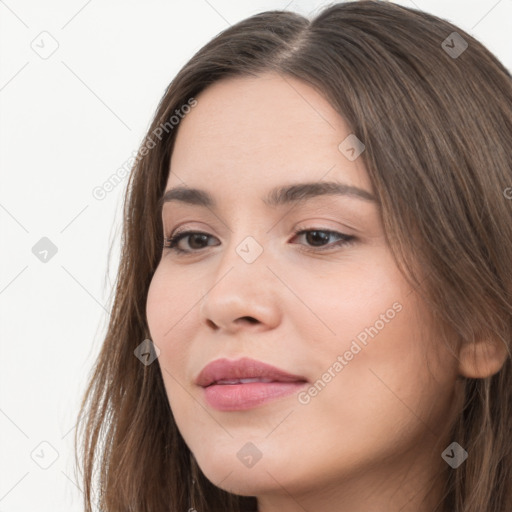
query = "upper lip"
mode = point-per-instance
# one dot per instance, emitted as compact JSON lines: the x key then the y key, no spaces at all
{"x":245,"y":368}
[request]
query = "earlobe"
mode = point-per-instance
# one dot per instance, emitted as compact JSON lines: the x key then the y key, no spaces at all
{"x":482,"y":358}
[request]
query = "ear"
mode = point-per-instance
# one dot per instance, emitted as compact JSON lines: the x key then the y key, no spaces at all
{"x":482,"y":358}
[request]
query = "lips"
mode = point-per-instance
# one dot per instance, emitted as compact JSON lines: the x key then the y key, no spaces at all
{"x":245,"y":384}
{"x":243,"y":371}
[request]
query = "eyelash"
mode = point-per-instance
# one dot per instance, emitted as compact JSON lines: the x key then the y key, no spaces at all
{"x":171,"y":242}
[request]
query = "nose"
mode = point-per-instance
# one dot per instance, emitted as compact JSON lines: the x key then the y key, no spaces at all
{"x":242,"y":294}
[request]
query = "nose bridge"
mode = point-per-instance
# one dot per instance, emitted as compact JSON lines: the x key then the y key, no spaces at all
{"x":247,"y":247}
{"x":242,"y":265}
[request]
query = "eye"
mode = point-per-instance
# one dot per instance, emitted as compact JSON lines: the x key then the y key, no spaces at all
{"x":317,"y":240}
{"x":196,"y":241}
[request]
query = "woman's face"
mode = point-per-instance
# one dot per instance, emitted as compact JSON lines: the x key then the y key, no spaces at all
{"x":372,"y":385}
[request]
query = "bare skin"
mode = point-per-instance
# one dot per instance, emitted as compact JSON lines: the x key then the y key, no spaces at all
{"x":371,"y":439}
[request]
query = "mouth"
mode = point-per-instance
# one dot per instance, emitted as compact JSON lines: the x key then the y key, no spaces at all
{"x":245,"y":383}
{"x":241,"y":381}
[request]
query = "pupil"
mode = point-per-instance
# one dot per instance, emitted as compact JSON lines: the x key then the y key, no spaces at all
{"x":320,"y":236}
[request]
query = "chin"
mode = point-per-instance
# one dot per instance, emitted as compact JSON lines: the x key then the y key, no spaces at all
{"x":227,"y":472}
{"x":244,"y":482}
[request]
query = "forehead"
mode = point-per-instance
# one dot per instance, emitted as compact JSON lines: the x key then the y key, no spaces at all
{"x":250,"y":131}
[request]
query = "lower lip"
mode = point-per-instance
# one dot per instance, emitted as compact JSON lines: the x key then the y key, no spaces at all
{"x":239,"y":397}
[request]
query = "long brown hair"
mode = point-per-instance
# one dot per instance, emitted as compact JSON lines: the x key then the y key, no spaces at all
{"x":435,"y":115}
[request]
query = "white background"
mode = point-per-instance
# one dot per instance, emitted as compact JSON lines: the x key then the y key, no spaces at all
{"x":68,"y":122}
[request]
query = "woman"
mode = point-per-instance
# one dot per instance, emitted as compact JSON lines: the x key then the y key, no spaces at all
{"x":314,"y":302}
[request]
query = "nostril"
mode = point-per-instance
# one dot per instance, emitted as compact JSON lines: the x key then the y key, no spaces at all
{"x":211,"y":324}
{"x":250,"y":319}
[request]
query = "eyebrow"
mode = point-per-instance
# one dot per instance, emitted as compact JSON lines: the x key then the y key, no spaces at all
{"x":278,"y":196}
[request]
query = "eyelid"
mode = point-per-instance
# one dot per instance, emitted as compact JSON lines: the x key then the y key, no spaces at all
{"x":186,"y":226}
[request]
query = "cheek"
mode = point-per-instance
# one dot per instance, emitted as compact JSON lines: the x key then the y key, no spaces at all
{"x":170,"y":298}
{"x":170,"y":306}
{"x":376,"y":357}
{"x":168,"y":312}
{"x":354,"y":301}
{"x":386,"y":397}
